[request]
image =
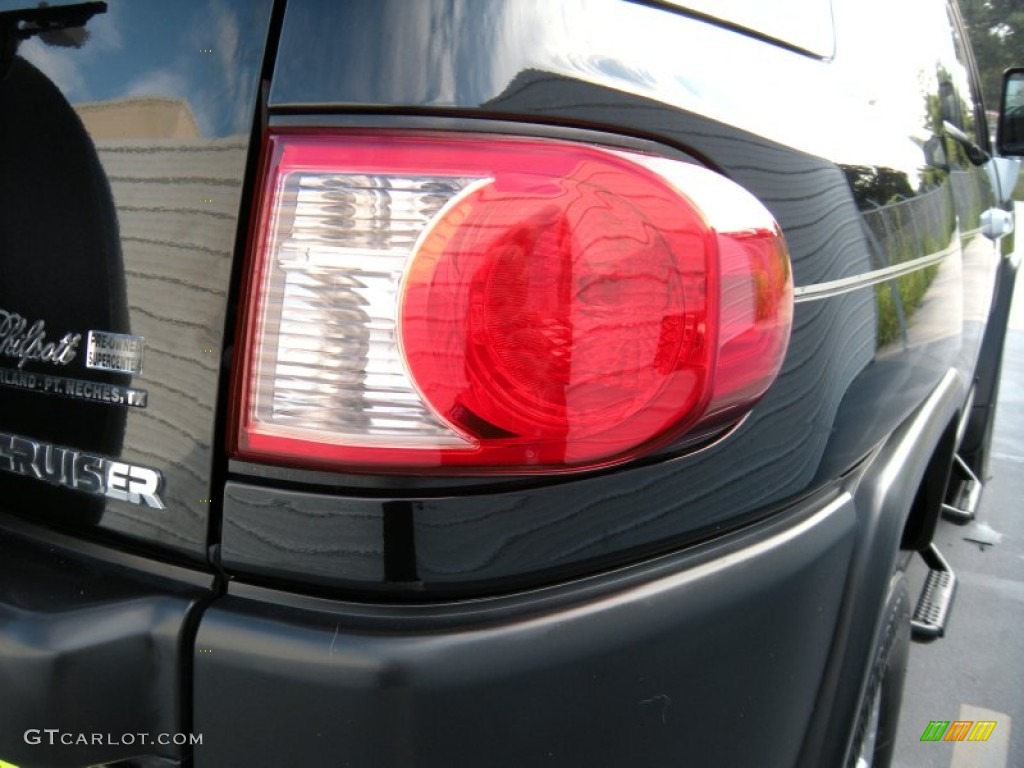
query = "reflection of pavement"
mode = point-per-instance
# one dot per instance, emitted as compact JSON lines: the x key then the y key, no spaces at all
{"x":936,"y":317}
{"x":974,"y":672}
{"x":1017,"y":311}
{"x":957,"y":289}
{"x":980,"y":263}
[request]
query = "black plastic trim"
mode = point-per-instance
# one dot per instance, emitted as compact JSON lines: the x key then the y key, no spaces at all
{"x":974,"y":446}
{"x":650,"y":652}
{"x":883,"y":489}
{"x":91,"y":641}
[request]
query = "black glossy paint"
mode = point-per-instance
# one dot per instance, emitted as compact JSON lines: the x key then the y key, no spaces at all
{"x":854,"y":164}
{"x":122,"y":165}
{"x":719,"y":605}
{"x":43,"y":284}
{"x":302,"y":536}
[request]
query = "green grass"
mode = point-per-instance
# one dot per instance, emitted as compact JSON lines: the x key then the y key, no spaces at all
{"x":911,"y":289}
{"x":888,"y":320}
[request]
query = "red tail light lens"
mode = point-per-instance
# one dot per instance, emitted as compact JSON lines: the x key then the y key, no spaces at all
{"x":498,"y":304}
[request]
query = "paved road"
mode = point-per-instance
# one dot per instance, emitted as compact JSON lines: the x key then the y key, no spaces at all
{"x":977,"y":671}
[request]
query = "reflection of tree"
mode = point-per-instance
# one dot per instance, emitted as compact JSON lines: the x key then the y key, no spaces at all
{"x":952,"y":106}
{"x":908,"y":223}
{"x":949,"y":105}
{"x":873,"y":187}
{"x":996,"y":29}
{"x":903,"y":295}
{"x":906,"y":229}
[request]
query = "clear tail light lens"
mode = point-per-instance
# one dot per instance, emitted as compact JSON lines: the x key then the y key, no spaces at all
{"x":473,"y":304}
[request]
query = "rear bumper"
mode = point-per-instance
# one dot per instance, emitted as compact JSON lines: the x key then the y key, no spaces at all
{"x":752,"y":649}
{"x":710,"y":657}
{"x":91,"y":650}
{"x":714,"y":656}
{"x":748,"y":649}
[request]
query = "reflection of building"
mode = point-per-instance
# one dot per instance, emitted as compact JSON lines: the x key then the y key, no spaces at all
{"x":142,"y":118}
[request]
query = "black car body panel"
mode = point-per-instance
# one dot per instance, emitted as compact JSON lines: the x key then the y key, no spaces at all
{"x":857,"y":356}
{"x":713,"y":604}
{"x":122,"y":183}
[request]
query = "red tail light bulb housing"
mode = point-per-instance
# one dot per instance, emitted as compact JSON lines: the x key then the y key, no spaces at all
{"x":486,"y":304}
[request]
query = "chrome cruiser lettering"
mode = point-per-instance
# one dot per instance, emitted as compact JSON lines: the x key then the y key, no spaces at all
{"x":80,"y":471}
{"x":26,"y":342}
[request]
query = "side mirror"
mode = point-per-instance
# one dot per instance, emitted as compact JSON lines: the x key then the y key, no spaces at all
{"x":1011,"y":114}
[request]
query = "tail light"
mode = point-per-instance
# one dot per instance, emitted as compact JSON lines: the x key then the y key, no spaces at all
{"x":474,"y":304}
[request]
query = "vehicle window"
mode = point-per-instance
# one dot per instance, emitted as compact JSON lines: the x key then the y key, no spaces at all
{"x":969,"y":84}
